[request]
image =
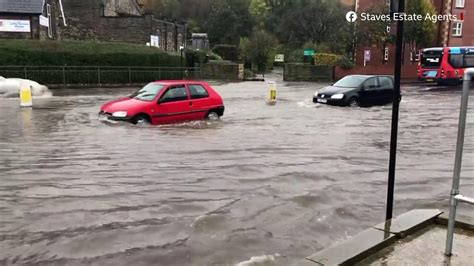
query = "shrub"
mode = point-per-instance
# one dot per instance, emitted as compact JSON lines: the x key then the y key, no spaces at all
{"x":248,"y":74}
{"x":227,"y":52}
{"x":321,"y":59}
{"x":345,"y":63}
{"x":196,"y":57}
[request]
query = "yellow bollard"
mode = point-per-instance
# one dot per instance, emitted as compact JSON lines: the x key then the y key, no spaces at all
{"x":26,"y":99}
{"x":273,"y":94}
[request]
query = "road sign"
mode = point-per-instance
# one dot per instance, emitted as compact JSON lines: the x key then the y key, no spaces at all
{"x":309,"y":52}
{"x":25,"y":96}
{"x":279,"y":58}
{"x":366,"y":57}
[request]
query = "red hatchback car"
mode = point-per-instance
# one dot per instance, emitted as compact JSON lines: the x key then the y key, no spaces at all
{"x":164,"y":102}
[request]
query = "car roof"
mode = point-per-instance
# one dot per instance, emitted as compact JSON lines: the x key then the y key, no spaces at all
{"x":370,"y":76}
{"x":179,"y":81}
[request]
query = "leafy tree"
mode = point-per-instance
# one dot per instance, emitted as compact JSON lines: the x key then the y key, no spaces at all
{"x":258,"y":9}
{"x":419,"y":34}
{"x":169,"y":9}
{"x":223,"y":27}
{"x":259,"y":49}
{"x":319,"y":22}
{"x":375,"y":32}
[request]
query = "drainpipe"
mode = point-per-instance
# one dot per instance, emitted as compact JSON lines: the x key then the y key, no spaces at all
{"x":62,"y":12}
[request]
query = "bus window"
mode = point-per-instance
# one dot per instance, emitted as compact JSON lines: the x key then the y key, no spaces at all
{"x":469,"y":60}
{"x":431,"y":59}
{"x":456,"y":60}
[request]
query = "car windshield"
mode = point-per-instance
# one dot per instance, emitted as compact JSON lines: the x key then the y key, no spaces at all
{"x":350,"y":82}
{"x":148,"y":93}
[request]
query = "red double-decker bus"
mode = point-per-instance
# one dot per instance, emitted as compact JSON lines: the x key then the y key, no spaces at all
{"x":445,"y":65}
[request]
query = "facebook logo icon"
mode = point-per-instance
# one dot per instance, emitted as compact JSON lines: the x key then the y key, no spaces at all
{"x":351,"y":16}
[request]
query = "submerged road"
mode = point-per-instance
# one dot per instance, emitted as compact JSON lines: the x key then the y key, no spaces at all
{"x":283,"y":181}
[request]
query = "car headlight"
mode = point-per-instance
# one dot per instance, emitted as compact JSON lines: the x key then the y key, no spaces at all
{"x":337,"y":96}
{"x":121,"y":114}
{"x":316,"y":94}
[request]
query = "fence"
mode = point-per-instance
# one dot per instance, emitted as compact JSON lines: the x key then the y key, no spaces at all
{"x":97,"y":75}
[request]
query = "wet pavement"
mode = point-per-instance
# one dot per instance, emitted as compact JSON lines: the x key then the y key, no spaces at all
{"x":427,"y":248}
{"x":283,"y":181}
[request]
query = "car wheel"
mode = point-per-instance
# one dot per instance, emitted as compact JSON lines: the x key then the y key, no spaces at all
{"x":354,"y":102}
{"x":213,"y":116}
{"x":141,"y":120}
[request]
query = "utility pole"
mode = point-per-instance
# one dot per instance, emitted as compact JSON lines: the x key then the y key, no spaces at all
{"x":396,"y":6}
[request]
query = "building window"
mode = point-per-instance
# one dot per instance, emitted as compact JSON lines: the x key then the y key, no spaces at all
{"x":180,"y":40}
{"x":460,"y":3}
{"x":386,"y":54}
{"x":457,"y":29}
{"x":169,"y":42}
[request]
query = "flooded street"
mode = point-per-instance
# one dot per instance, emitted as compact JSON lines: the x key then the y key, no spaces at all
{"x":284,"y":180}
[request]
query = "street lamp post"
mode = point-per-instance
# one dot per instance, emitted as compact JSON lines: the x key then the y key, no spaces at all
{"x":181,"y":50}
{"x":396,"y":6}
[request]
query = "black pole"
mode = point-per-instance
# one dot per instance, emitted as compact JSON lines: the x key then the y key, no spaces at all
{"x":181,"y":64}
{"x":395,"y":111}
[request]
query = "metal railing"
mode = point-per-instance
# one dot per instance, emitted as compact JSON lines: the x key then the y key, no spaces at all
{"x":97,"y":75}
{"x":455,"y":195}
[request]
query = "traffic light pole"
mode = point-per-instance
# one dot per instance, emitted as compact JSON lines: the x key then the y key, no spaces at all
{"x":400,"y":8}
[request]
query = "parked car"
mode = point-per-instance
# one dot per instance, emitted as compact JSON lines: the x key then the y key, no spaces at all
{"x":357,"y":90}
{"x":164,"y":102}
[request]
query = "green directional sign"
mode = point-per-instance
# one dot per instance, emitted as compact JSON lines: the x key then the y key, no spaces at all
{"x":309,"y":52}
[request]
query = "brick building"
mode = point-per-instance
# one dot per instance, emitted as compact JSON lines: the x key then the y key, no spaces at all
{"x":460,"y":32}
{"x":382,"y":61}
{"x":126,"y":21}
{"x":120,"y":21}
{"x":30,"y":19}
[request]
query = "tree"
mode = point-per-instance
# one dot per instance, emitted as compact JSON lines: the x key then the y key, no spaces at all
{"x":319,"y":22}
{"x":229,"y":21}
{"x":375,"y":32}
{"x":223,"y":27}
{"x":169,"y":9}
{"x":259,"y":49}
{"x":420,"y":33}
{"x":258,"y":9}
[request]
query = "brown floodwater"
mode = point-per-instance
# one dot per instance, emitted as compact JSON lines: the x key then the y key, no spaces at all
{"x":284,"y":180}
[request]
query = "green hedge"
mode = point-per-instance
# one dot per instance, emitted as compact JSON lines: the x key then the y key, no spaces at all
{"x":76,"y":53}
{"x":196,"y":57}
{"x":321,"y":59}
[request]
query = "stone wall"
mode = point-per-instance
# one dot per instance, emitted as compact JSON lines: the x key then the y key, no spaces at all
{"x":118,"y":7}
{"x":306,"y":72}
{"x":222,"y":71}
